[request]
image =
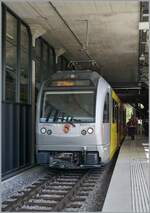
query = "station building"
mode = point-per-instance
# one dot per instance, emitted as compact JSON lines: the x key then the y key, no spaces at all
{"x":40,"y":38}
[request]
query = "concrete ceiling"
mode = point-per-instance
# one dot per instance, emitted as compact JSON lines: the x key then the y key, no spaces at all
{"x":113,"y":34}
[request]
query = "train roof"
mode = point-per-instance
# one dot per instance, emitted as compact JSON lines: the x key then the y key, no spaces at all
{"x":77,"y":75}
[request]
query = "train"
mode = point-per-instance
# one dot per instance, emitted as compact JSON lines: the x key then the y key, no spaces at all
{"x":80,"y":120}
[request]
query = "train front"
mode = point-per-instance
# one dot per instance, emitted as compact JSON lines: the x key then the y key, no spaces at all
{"x":65,"y":130}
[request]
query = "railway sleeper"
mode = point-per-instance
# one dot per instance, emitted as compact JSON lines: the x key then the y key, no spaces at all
{"x":82,"y":193}
{"x":50,"y":197}
{"x":36,"y":208}
{"x":50,"y":192}
{"x":41,"y":202}
{"x":82,"y":188}
{"x":88,"y":185}
{"x":51,"y":204}
{"x":68,"y":180}
{"x":79,"y":198}
{"x":62,"y":183}
{"x":91,"y":181}
{"x":70,"y":176}
{"x":62,"y":187}
{"x":71,"y":210}
{"x":32,"y":210}
{"x":75,"y":204}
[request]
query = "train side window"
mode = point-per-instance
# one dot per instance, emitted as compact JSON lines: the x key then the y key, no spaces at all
{"x":106,"y":109}
{"x":115,"y":111}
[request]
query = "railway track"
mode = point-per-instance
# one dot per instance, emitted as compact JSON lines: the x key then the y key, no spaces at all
{"x":59,"y":191}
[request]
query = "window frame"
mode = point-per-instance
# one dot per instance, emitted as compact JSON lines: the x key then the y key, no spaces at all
{"x":39,"y":58}
{"x":20,"y":22}
{"x":64,"y":91}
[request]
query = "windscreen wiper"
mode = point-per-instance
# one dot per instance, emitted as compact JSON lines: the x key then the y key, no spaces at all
{"x":70,"y":121}
{"x":56,"y":115}
{"x":63,"y":115}
{"x":49,"y":114}
{"x":64,"y":118}
{"x":52,"y":109}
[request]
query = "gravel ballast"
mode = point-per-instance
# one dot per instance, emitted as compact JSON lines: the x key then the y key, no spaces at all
{"x":14,"y":184}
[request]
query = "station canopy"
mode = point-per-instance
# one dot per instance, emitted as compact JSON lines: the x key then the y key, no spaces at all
{"x":104,"y":31}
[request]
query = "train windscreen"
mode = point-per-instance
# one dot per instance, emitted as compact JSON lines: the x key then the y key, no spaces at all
{"x":64,"y":106}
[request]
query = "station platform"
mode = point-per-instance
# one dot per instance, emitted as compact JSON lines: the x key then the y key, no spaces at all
{"x":129,"y":187}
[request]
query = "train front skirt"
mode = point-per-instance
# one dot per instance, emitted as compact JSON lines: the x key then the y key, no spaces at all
{"x":69,"y":160}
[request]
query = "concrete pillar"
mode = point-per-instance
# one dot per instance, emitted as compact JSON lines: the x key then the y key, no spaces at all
{"x":58,"y":53}
{"x":36,"y":31}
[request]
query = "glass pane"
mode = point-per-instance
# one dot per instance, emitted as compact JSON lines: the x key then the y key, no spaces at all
{"x":58,"y":106}
{"x":24,"y":38}
{"x":45,"y":67}
{"x":45,"y":73}
{"x":38,"y":73}
{"x":24,"y":65}
{"x":10,"y":85}
{"x":59,"y":63}
{"x":38,"y":48}
{"x":51,"y":60}
{"x":45,"y":53}
{"x":11,"y":29}
{"x":11,"y":58}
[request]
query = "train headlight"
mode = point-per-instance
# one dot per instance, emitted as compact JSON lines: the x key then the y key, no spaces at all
{"x":90,"y":130}
{"x":49,"y":131}
{"x":43,"y":130}
{"x":83,"y":132}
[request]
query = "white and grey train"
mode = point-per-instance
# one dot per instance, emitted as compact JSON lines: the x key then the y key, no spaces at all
{"x":73,"y":122}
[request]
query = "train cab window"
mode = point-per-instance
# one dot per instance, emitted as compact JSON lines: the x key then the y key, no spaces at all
{"x":106,"y":109}
{"x":58,"y":106}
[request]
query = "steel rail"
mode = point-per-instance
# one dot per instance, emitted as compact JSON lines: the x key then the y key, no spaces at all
{"x":35,"y":188}
{"x":69,"y":195}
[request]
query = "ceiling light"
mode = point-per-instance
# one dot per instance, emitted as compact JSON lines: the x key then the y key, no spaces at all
{"x":142,"y":57}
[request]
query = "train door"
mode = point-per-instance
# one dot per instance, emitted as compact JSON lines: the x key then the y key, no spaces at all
{"x":118,"y":123}
{"x":114,"y":127}
{"x":106,"y":119}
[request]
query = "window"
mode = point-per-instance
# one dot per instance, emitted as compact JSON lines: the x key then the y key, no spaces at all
{"x":51,"y":60}
{"x":44,"y":61}
{"x":62,"y":63}
{"x":61,"y":105}
{"x":11,"y":58}
{"x":16,"y":42}
{"x":115,"y":111}
{"x":45,"y":68}
{"x":38,"y":62}
{"x":24,"y":65}
{"x":59,"y":63}
{"x":106,"y":109}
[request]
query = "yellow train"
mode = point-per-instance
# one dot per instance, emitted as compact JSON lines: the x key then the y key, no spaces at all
{"x":118,"y":124}
{"x":80,"y":120}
